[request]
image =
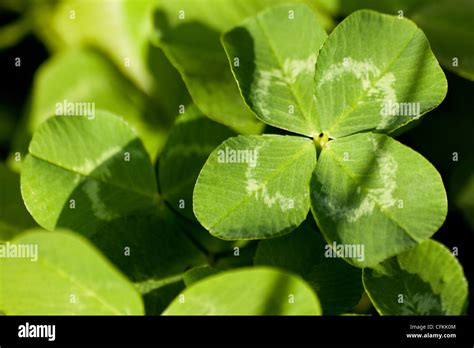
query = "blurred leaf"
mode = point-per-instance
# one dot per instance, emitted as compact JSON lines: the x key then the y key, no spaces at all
{"x":195,"y":51}
{"x":454,"y":155}
{"x":78,"y":23}
{"x":12,"y":33}
{"x":82,"y":172}
{"x":85,"y":76}
{"x":251,"y":291}
{"x":240,"y":256}
{"x":159,"y":297}
{"x":277,"y":52}
{"x":79,"y":279}
{"x":397,"y":84}
{"x":189,"y":144}
{"x":148,"y":248}
{"x":189,"y":33}
{"x":462,"y":184}
{"x":154,"y":251}
{"x":90,"y":23}
{"x":255,"y":187}
{"x":197,"y":273}
{"x":448,"y":25}
{"x":7,"y":122}
{"x":387,"y":6}
{"x":212,"y":245}
{"x":14,"y":218}
{"x":16,"y":5}
{"x":369,"y":190}
{"x":426,"y":280}
{"x":338,"y":285}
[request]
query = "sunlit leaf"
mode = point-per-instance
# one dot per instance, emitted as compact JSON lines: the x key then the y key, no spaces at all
{"x":426,"y":280}
{"x":371,"y":192}
{"x":256,"y":291}
{"x":255,"y":187}
{"x":82,"y":172}
{"x":375,"y":72}
{"x":63,"y":275}
{"x":273,"y":57}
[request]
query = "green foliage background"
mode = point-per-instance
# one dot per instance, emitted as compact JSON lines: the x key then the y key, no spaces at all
{"x":166,"y":95}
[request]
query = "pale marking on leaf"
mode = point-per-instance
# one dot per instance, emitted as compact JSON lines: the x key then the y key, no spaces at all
{"x":363,"y":71}
{"x":260,"y":190}
{"x":292,"y":69}
{"x":385,"y":92}
{"x":91,"y":188}
{"x":366,"y":71}
{"x":387,"y":172}
{"x":88,"y":166}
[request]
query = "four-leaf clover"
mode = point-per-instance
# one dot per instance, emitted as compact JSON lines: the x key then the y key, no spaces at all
{"x":342,"y":94}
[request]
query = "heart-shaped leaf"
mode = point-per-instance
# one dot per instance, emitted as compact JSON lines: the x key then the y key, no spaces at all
{"x":375,"y":72}
{"x":59,"y":273}
{"x":255,"y":187}
{"x":256,"y":291}
{"x":100,"y":166}
{"x":305,"y":252}
{"x":446,"y":23}
{"x":426,"y":280}
{"x":370,"y":191}
{"x":189,"y":34}
{"x":273,"y":57}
